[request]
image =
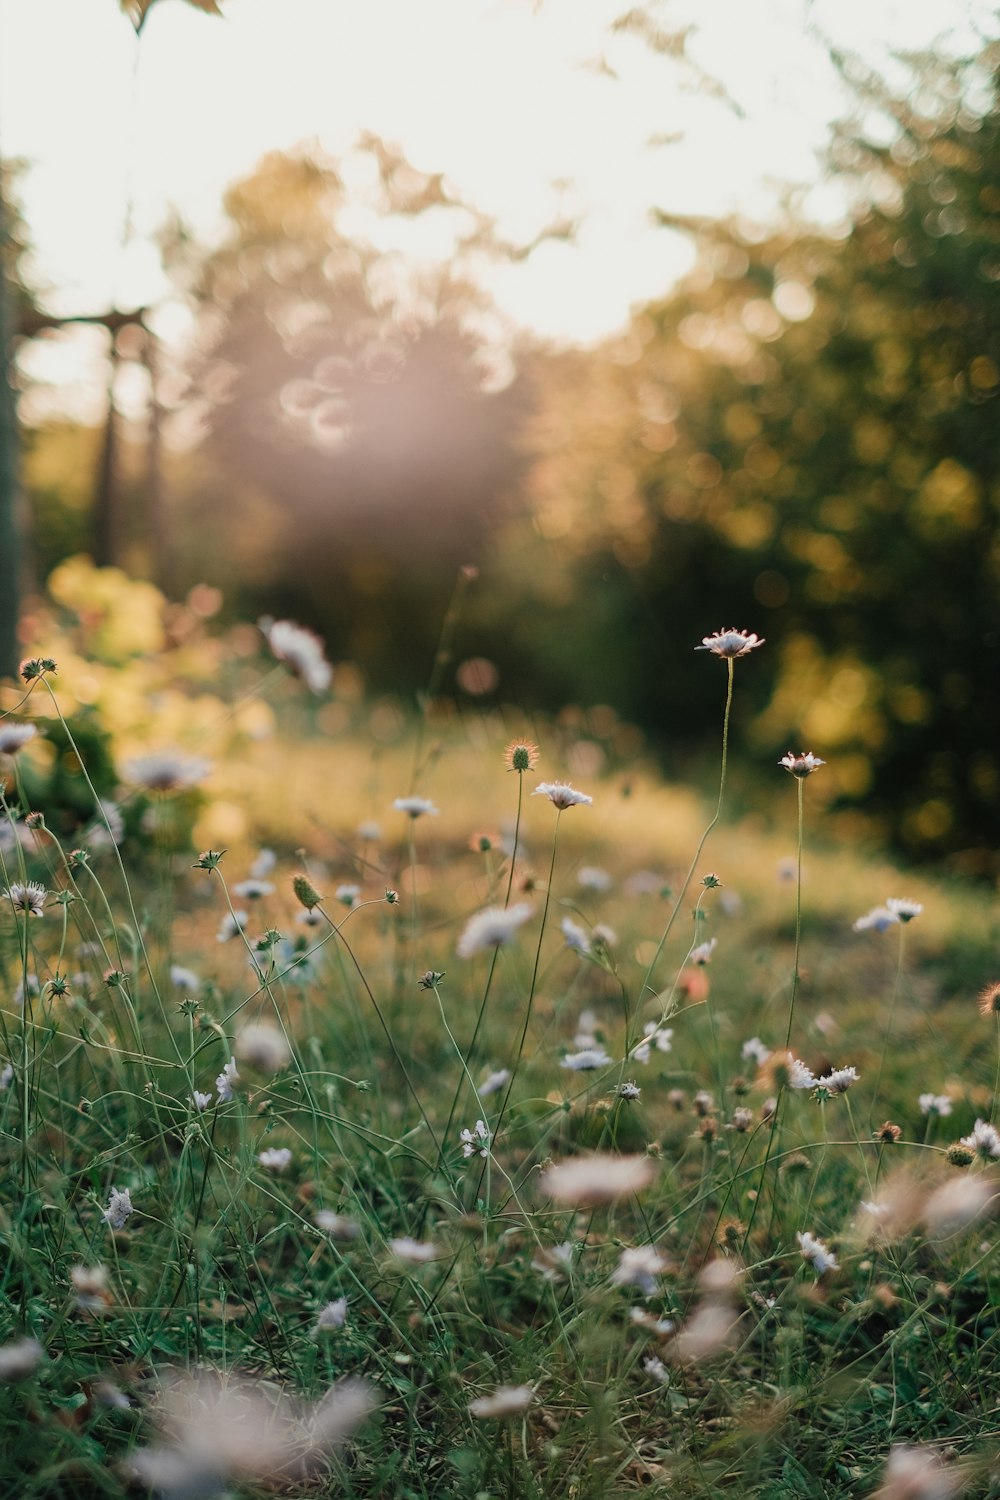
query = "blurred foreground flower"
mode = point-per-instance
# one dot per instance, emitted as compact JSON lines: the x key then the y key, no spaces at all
{"x":20,"y":1359}
{"x":415,"y":807}
{"x":263,"y":1046}
{"x":505,"y":1401}
{"x":730,"y":643}
{"x":814,"y":1251}
{"x":217,"y":1431}
{"x":587,"y":1181}
{"x":166,"y":771}
{"x":915,"y":1472}
{"x":492,"y":928}
{"x":300,"y":650}
{"x":14,"y":737}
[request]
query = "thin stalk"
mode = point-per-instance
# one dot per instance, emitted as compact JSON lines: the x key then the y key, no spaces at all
{"x":799,"y":783}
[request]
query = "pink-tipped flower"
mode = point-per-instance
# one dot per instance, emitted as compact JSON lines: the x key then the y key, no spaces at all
{"x":730,"y":643}
{"x":801,"y":765}
{"x":562,"y":795}
{"x":14,"y":737}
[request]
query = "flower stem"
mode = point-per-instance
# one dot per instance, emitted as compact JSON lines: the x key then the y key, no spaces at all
{"x":800,"y":783}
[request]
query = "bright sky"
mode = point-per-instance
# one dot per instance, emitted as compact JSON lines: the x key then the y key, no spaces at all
{"x":505,"y":96}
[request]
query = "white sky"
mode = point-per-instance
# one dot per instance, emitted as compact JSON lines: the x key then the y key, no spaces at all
{"x":498,"y":94}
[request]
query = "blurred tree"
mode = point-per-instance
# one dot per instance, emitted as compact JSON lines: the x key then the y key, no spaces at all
{"x":803,"y":440}
{"x":360,"y":404}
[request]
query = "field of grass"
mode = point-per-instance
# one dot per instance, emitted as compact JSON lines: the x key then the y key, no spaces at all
{"x":483,"y":1146}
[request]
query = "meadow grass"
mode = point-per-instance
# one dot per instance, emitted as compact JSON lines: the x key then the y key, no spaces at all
{"x":492,"y":1144}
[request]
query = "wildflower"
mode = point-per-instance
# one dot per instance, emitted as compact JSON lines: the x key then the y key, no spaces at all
{"x":333,"y":1315}
{"x":628,"y":1090}
{"x":414,"y":1252}
{"x":887,"y":1133}
{"x":656,"y":1369}
{"x":166,"y":771}
{"x":494,"y":1083}
{"x":521,"y":755}
{"x":587,"y":1060}
{"x":677,"y":1099}
{"x":226,"y":1080}
{"x":755,"y":1051}
{"x":702,"y":1102}
{"x":730,"y":643}
{"x":816,"y":1252}
{"x":277,"y":1159}
{"x":391,"y":896}
{"x":801,"y":765}
{"x":32,"y":986}
{"x":492,"y":928}
{"x":14,"y":737}
{"x":263,"y":864}
{"x":252,"y":890}
{"x":707,"y":1332}
{"x":37,"y":667}
{"x":956,"y":1203}
{"x":960,"y":1156}
{"x":554,"y":1260}
{"x":576,"y":937}
{"x":347,"y":894}
{"x":562,"y":795}
{"x":879,"y":919}
{"x":984,"y":1140}
{"x":29,"y":898}
{"x":263,"y":1046}
{"x":989,"y":1000}
{"x":703,"y":953}
{"x":107,"y":828}
{"x":119,"y":1208}
{"x":415,"y":807}
{"x":208,"y":859}
{"x":309,"y":917}
{"x":475,"y":1140}
{"x":431,"y":979}
{"x":934,"y":1104}
{"x":653,"y":1036}
{"x":593,"y":878}
{"x":300,"y":650}
{"x":642,"y":1318}
{"x":742,"y":1119}
{"x":90,"y":1284}
{"x":19,"y":1360}
{"x":306,"y":893}
{"x":639,"y":1266}
{"x":337,"y":1226}
{"x":369,"y":831}
{"x":903,"y":908}
{"x":505,"y":1401}
{"x":232,"y":924}
{"x":606,"y":936}
{"x":184,"y":979}
{"x":588,"y":1181}
{"x":915,"y":1472}
{"x":201,"y":1101}
{"x":837,"y":1082}
{"x":799,"y":1076}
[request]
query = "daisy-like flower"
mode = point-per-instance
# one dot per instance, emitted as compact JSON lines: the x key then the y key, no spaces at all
{"x":29,"y":898}
{"x":521,"y":755}
{"x":118,"y":1209}
{"x":587,"y":1060}
{"x":252,"y":890}
{"x":879,"y":919}
{"x":277,"y":1159}
{"x":201,"y":1101}
{"x":333,"y":1315}
{"x":837,"y":1082}
{"x":505,"y":1401}
{"x":934,"y":1104}
{"x":593,"y":878}
{"x":263,"y":1046}
{"x":232,"y":924}
{"x":166,"y":771}
{"x":799,"y":1076}
{"x":184,"y":979}
{"x":576,"y":937}
{"x":561,"y":794}
{"x":475,"y":1140}
{"x":492,"y":928}
{"x":588,"y":1181}
{"x":816,"y":1252}
{"x":656,"y":1036}
{"x":414,"y":1252}
{"x":903,"y":908}
{"x":730,"y":643}
{"x":14,"y":737}
{"x":494,"y":1083}
{"x":703,"y":953}
{"x":19,"y":1360}
{"x":263,"y":864}
{"x":300,"y":650}
{"x":337,"y":1226}
{"x":347,"y":894}
{"x":801,"y":765}
{"x":415,"y":807}
{"x":639,"y":1266}
{"x":755,"y":1051}
{"x":984,"y":1140}
{"x":226,"y":1082}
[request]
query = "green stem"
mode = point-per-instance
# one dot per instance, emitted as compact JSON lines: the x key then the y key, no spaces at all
{"x":800,"y":783}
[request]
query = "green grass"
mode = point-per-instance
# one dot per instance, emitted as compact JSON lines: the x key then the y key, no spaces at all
{"x":761,"y":1378}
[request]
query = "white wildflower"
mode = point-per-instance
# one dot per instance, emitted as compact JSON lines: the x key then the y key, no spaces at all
{"x":576,"y":937}
{"x":119,"y":1208}
{"x":587,"y":1181}
{"x":639,"y":1266}
{"x":918,"y":1473}
{"x":300,"y":650}
{"x":337,"y":1226}
{"x":505,"y":1401}
{"x":799,"y":1076}
{"x":475,"y":1140}
{"x":347,"y":894}
{"x":262,"y":1046}
{"x":6,"y":1077}
{"x":333,"y":1315}
{"x":903,"y":908}
{"x":755,"y":1051}
{"x":730,"y":643}
{"x":494,"y":1083}
{"x":166,"y":771}
{"x":879,"y":919}
{"x":553,"y":1261}
{"x":232,"y":924}
{"x":656,"y":1369}
{"x":492,"y":928}
{"x":984,"y":1140}
{"x":14,"y":737}
{"x":587,"y":1060}
{"x":90,"y":1287}
{"x":629,"y":1090}
{"x":277,"y":1159}
{"x":956,"y":1203}
{"x":201,"y":1101}
{"x":703,"y":953}
{"x":934,"y":1104}
{"x":184,"y":979}
{"x":252,"y":890}
{"x":226,"y":1081}
{"x":415,"y":807}
{"x":593,"y":878}
{"x":28,"y":898}
{"x":19,"y":1360}
{"x":816,"y":1253}
{"x":801,"y":765}
{"x":414,"y":1252}
{"x":263,"y":864}
{"x":837,"y":1082}
{"x":561,"y":794}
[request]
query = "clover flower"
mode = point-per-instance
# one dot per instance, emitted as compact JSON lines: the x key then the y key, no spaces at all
{"x":505,"y":1401}
{"x":14,"y":737}
{"x":28,"y":898}
{"x":801,"y":765}
{"x":984,"y":1139}
{"x":492,"y":928}
{"x":814,"y":1251}
{"x":903,"y":908}
{"x":730,"y":643}
{"x":415,"y":807}
{"x":475,"y":1140}
{"x":562,"y":795}
{"x":639,"y":1266}
{"x":119,"y":1208}
{"x":300,"y":650}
